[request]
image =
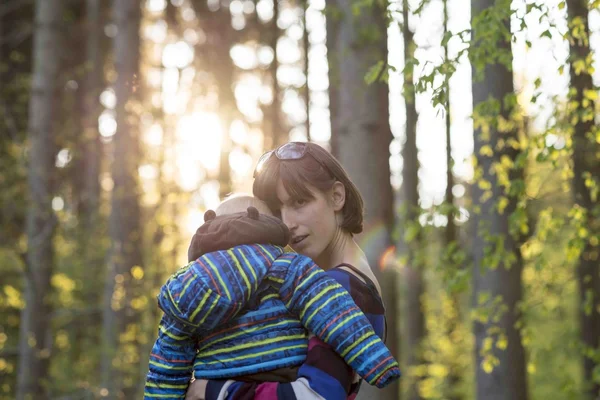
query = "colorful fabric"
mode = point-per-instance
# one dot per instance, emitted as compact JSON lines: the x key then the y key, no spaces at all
{"x":280,"y":294}
{"x":324,"y":374}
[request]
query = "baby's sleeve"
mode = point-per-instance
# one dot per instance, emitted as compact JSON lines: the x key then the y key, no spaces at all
{"x":326,"y":309}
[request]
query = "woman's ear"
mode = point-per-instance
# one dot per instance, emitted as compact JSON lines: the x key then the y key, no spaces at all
{"x":338,"y":195}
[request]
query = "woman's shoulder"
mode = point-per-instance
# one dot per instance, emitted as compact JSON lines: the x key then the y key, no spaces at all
{"x":362,"y":271}
{"x":361,"y":284}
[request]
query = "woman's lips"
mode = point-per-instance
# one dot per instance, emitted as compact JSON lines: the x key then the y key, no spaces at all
{"x":297,"y":239}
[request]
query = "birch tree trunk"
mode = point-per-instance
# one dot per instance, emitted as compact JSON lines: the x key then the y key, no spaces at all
{"x":34,"y":346}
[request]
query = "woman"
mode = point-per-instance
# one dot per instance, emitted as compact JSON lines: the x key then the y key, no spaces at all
{"x":323,"y":209}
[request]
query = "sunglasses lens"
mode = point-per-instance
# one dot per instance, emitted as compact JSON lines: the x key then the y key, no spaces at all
{"x":291,"y":151}
{"x":261,"y":162}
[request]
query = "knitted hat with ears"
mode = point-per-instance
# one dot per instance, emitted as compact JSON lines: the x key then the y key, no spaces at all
{"x":227,"y":231}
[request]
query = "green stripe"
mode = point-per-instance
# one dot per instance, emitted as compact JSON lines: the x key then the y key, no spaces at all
{"x":189,"y":367}
{"x":199,"y":308}
{"x":253,"y":355}
{"x":245,"y":331}
{"x":216,"y":270}
{"x":252,"y":344}
{"x":239,"y":267}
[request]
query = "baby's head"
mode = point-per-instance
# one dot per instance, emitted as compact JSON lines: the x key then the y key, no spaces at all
{"x":240,"y":203}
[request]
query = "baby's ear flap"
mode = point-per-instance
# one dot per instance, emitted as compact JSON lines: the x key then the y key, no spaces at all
{"x":209,"y":215}
{"x":252,"y":212}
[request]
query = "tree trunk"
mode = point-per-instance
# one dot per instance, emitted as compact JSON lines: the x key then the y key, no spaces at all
{"x":585,"y":162}
{"x":497,"y":286}
{"x":363,"y":122}
{"x":124,"y":220}
{"x":306,"y":49}
{"x":413,"y":272}
{"x":35,"y":324}
{"x":332,"y":28}
{"x":451,"y":240}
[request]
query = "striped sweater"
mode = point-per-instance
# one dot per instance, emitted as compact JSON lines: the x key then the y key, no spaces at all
{"x":245,"y":310}
{"x":324,"y":374}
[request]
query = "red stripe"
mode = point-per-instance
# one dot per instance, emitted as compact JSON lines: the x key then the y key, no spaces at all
{"x":379,"y":365}
{"x":259,"y":250}
{"x":210,"y":275}
{"x":170,"y":361}
{"x":336,"y":318}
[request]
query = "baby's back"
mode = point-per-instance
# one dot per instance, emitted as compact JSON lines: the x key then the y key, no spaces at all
{"x":263,"y":337}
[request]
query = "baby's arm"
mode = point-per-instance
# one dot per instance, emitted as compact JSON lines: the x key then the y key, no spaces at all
{"x":325,"y":308}
{"x":171,"y":361}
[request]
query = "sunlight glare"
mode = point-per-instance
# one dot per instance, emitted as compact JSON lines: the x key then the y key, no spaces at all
{"x":154,"y":135}
{"x":177,"y":55}
{"x":265,"y":55}
{"x":238,"y":132}
{"x":107,"y":124}
{"x":108,"y":98}
{"x":199,"y":142}
{"x":244,"y":56}
{"x":264,"y":9}
{"x":156,"y":6}
{"x":240,"y":162}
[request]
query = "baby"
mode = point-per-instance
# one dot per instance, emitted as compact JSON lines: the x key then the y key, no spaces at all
{"x":244,"y":305}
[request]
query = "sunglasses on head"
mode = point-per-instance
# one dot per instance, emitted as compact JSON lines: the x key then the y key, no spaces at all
{"x":286,"y":152}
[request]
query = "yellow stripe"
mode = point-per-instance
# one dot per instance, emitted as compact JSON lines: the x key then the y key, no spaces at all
{"x":362,"y":351}
{"x":245,"y":331}
{"x":173,"y":301}
{"x":169,"y":334}
{"x":285,"y":261}
{"x":187,"y":285}
{"x":214,"y":303}
{"x":317,"y":297}
{"x":266,"y":251}
{"x":339,"y":325}
{"x":305,"y":281}
{"x":163,"y":396}
{"x":335,"y":296}
{"x":357,"y":342}
{"x":251,"y":269}
{"x":170,"y":367}
{"x":252,"y":344}
{"x":165,"y":385}
{"x":239,"y":267}
{"x":197,"y":310}
{"x":216,"y":270}
{"x":394,"y":364}
{"x":272,"y":278}
{"x":253,"y":355}
{"x":269,"y":296}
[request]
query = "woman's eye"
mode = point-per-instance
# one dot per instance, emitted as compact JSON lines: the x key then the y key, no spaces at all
{"x":299,"y":202}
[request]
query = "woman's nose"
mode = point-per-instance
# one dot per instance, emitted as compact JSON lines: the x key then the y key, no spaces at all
{"x":289,"y":220}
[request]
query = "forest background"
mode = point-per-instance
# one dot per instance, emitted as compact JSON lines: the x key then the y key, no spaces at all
{"x":470,"y":127}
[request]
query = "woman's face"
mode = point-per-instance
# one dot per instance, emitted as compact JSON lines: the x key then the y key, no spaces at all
{"x":312,"y":222}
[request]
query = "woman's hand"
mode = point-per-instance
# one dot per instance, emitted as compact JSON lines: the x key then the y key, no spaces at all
{"x":197,"y":390}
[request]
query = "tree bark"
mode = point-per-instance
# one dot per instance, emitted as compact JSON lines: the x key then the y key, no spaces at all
{"x":412,"y":273}
{"x":332,"y":29}
{"x":306,"y":49}
{"x":124,"y":220}
{"x":501,"y":282}
{"x":363,"y":122}
{"x":585,"y":161}
{"x":40,"y":226}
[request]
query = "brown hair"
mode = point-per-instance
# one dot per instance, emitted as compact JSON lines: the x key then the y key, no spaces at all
{"x":319,"y":169}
